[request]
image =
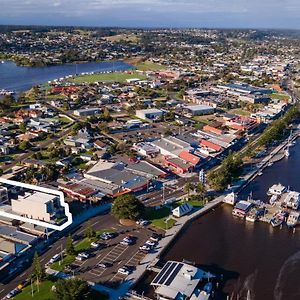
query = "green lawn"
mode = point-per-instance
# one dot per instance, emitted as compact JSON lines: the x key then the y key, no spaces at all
{"x":240,"y":112}
{"x":281,"y":97}
{"x":44,"y":292}
{"x":149,"y":66}
{"x":116,"y":77}
{"x":64,"y":120}
{"x":59,"y":266}
{"x":158,"y":217}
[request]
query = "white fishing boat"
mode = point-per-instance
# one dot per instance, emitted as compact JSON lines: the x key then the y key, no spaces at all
{"x":273,"y":199}
{"x":293,"y":219}
{"x":276,"y":189}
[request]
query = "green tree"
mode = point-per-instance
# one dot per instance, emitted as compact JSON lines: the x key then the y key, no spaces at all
{"x":200,"y":189}
{"x":89,"y":231}
{"x":73,"y":289}
{"x":38,"y":271}
{"x":22,"y":127}
{"x":24,"y":145}
{"x":69,"y":246}
{"x":189,"y":187}
{"x":127,"y":207}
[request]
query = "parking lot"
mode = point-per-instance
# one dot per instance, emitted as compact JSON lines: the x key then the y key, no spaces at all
{"x":115,"y":255}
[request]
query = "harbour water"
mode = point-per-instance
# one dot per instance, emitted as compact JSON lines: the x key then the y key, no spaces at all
{"x":13,"y":77}
{"x":252,"y":257}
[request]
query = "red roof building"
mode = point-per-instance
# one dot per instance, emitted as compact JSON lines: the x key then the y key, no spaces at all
{"x":189,"y":157}
{"x":212,"y":129}
{"x":210,"y":145}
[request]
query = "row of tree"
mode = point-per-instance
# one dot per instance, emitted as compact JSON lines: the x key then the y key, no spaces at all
{"x":222,"y":176}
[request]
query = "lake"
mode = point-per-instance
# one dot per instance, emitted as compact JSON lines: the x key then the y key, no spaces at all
{"x":16,"y":78}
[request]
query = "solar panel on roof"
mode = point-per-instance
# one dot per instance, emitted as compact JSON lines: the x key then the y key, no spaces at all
{"x":162,"y":272}
{"x":174,"y":273}
{"x":167,"y":273}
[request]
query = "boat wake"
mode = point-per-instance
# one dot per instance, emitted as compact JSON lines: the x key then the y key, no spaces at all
{"x":288,"y":282}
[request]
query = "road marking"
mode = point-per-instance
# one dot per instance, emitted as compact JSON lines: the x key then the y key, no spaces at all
{"x":2,"y":291}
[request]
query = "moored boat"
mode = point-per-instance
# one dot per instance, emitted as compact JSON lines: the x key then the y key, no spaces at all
{"x":276,"y":189}
{"x":293,"y":219}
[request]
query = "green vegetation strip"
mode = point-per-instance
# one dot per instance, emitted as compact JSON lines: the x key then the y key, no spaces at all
{"x":116,"y":77}
{"x":158,"y":217}
{"x":41,"y":292}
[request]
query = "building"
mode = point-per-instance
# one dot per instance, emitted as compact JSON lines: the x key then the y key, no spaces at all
{"x":197,"y":110}
{"x":146,"y":149}
{"x":36,"y":205}
{"x":178,"y":280}
{"x":182,"y":210}
{"x":3,"y":194}
{"x":151,"y":114}
{"x":86,"y":112}
{"x":172,"y":146}
{"x":113,"y":179}
{"x":253,"y":98}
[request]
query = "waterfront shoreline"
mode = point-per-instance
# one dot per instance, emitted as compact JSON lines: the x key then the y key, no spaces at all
{"x":186,"y":221}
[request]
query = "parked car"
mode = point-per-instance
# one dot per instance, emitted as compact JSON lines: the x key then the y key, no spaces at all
{"x":107,"y":235}
{"x":145,"y":248}
{"x":13,"y":293}
{"x":84,"y":255}
{"x":156,"y":237}
{"x":150,"y":243}
{"x":104,"y":265}
{"x":142,"y":222}
{"x":79,"y":258}
{"x":96,"y":245}
{"x":55,"y":258}
{"x":125,"y":270}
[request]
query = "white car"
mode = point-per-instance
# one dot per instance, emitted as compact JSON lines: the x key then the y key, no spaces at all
{"x":80,"y":258}
{"x":95,"y":245}
{"x":150,"y":243}
{"x":145,"y":248}
{"x":55,"y":258}
{"x":124,"y":271}
{"x":142,"y":222}
{"x":84,"y":255}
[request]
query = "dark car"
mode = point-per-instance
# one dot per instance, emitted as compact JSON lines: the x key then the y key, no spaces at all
{"x":104,"y":265}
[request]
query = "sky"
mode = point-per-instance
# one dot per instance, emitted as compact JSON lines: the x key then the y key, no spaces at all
{"x":154,"y":13}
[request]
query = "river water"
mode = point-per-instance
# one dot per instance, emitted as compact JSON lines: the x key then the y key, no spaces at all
{"x":254,"y":257}
{"x":13,"y":77}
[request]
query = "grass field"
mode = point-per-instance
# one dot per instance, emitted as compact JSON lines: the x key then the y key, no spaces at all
{"x":240,"y":112}
{"x":123,"y":37}
{"x":158,"y":217}
{"x":44,"y":292}
{"x":279,"y":96}
{"x":115,"y":77}
{"x":149,"y":66}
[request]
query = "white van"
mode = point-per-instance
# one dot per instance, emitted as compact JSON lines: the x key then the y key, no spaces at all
{"x":54,"y":259}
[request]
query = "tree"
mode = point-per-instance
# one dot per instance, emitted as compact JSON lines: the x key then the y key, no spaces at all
{"x":69,"y":246}
{"x":89,"y":231}
{"x":188,"y":188}
{"x":22,"y":127}
{"x":24,"y":145}
{"x":37,"y":270}
{"x":127,"y":207}
{"x":73,"y":289}
{"x":200,"y":189}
